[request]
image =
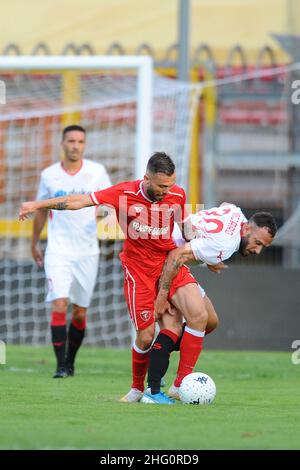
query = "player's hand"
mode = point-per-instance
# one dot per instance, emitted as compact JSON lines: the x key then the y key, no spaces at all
{"x":37,"y":256}
{"x":27,"y":208}
{"x":161,"y":306}
{"x":217,"y":268}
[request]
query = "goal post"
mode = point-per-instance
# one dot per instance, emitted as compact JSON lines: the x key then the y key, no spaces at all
{"x":142,"y":64}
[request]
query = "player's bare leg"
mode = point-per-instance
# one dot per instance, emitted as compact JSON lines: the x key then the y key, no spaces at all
{"x":59,"y":335}
{"x":75,"y":336}
{"x":213,"y":319}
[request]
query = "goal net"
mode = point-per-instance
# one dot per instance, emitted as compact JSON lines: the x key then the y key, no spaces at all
{"x":124,"y":125}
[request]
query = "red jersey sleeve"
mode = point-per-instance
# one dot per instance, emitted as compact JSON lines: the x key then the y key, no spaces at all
{"x":109,"y":196}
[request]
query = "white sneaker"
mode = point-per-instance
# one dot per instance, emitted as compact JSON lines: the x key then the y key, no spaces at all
{"x":174,"y":392}
{"x":134,"y":395}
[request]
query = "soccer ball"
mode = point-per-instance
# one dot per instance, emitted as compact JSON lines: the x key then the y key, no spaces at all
{"x":197,"y":389}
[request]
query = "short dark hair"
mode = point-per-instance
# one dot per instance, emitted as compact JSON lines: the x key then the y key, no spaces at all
{"x":265,"y":219}
{"x":160,"y":162}
{"x":73,"y":127}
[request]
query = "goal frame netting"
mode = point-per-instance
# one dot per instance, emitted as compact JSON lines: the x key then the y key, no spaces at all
{"x":143,"y":65}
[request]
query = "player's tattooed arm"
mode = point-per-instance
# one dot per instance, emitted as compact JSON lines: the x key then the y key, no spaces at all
{"x":175,"y":259}
{"x":74,"y":202}
{"x":59,"y":206}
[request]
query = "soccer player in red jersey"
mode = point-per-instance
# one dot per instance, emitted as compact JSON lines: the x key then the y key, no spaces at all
{"x":146,"y":210}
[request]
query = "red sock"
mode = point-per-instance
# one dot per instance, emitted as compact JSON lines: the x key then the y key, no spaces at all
{"x":58,"y":319}
{"x":59,"y":336}
{"x":190,"y":349}
{"x":79,"y":325}
{"x":140,"y":362}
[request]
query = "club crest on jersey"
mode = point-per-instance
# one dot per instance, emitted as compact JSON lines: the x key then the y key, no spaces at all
{"x":138,"y":209}
{"x":145,"y":315}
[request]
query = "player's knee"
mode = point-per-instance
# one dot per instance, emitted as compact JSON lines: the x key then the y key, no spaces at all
{"x":198,"y":320}
{"x":212,"y":325}
{"x":60,"y":305}
{"x":147,"y":341}
{"x":171,"y":324}
{"x":176,"y":328}
{"x":144,"y":339}
{"x":79,"y":315}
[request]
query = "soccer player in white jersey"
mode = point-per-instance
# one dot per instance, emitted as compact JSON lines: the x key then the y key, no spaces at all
{"x":220,"y":232}
{"x":72,"y":252}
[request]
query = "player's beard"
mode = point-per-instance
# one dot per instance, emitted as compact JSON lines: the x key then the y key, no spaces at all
{"x":152,"y":196}
{"x":74,"y":156}
{"x":243,"y":246}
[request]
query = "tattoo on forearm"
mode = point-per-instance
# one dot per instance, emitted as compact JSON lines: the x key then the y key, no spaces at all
{"x":59,"y":206}
{"x":168,"y":273}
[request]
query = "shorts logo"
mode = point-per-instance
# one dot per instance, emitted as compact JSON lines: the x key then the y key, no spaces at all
{"x":50,"y":284}
{"x":145,"y":315}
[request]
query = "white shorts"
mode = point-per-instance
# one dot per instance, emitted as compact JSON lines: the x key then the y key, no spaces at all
{"x":73,"y":279}
{"x":203,"y":293}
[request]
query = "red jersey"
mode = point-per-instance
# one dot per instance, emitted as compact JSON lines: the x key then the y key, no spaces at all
{"x":147,"y":225}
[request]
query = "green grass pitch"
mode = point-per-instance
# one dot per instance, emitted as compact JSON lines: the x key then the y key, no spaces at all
{"x":256,"y":407}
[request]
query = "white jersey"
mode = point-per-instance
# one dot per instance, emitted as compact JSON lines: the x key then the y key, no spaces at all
{"x":218,"y":233}
{"x":72,"y":233}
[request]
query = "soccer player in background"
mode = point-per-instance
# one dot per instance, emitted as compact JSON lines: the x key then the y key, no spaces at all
{"x":220,"y":232}
{"x":72,"y":252}
{"x":146,"y":210}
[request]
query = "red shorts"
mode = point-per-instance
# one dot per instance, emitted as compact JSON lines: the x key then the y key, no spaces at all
{"x":140,"y":290}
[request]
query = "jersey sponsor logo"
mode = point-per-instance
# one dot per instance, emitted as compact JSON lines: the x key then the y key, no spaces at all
{"x":143,"y":228}
{"x":145,"y":315}
{"x":62,"y":192}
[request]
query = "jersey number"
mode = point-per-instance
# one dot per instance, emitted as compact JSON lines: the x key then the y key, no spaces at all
{"x":219,"y":224}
